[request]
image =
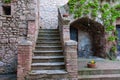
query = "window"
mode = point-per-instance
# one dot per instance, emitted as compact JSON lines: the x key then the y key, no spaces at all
{"x":6,"y":10}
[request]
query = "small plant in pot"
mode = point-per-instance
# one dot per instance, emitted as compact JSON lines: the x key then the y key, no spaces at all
{"x":7,"y":1}
{"x":91,"y":64}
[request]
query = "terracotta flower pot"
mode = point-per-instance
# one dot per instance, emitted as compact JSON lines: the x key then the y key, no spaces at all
{"x":65,"y":15}
{"x":89,"y":65}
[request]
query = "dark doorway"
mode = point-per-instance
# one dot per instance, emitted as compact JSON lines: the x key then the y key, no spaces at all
{"x":73,"y":33}
{"x":118,"y":40}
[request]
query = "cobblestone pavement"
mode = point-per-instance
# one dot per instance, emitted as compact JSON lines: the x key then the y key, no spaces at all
{"x":49,"y":12}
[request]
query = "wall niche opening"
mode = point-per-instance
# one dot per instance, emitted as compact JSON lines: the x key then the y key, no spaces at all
{"x":6,"y":10}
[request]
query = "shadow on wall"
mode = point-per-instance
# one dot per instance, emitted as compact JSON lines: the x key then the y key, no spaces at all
{"x":91,"y":37}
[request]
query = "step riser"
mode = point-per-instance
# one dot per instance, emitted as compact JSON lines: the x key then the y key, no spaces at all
{"x":48,"y":54}
{"x":99,"y":72}
{"x":48,"y":40}
{"x":48,"y":44}
{"x":46,"y":33}
{"x":48,"y":77}
{"x":48,"y":67}
{"x":53,"y":30}
{"x":53,"y":36}
{"x":48,"y":48}
{"x":47,"y":60}
{"x":101,"y":79}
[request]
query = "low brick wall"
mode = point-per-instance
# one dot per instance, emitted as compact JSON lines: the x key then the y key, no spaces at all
{"x":71,"y":59}
{"x":69,"y":46}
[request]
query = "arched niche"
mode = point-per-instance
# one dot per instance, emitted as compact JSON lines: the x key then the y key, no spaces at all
{"x":93,"y":33}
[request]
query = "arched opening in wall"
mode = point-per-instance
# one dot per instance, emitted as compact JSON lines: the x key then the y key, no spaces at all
{"x":118,"y":35}
{"x":91,"y":38}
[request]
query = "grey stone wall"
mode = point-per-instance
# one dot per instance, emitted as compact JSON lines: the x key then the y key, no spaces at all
{"x":49,"y":12}
{"x":12,"y":29}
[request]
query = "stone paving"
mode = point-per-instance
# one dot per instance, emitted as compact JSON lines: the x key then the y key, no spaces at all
{"x":48,"y":12}
{"x":101,"y":64}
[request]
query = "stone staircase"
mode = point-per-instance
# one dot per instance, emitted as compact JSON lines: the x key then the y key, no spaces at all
{"x":48,"y":60}
{"x":105,"y":70}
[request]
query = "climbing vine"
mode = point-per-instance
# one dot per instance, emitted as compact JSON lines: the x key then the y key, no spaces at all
{"x":105,"y":13}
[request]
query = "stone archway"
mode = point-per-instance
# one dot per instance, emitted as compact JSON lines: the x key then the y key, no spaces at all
{"x":95,"y":32}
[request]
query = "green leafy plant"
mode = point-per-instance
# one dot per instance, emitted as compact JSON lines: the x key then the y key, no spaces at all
{"x":112,"y":38}
{"x":7,"y":1}
{"x":108,"y":13}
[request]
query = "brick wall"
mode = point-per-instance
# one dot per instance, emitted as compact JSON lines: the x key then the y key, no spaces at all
{"x":24,"y":59}
{"x":69,"y":46}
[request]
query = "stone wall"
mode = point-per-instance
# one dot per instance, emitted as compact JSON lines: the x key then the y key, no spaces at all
{"x":14,"y":28}
{"x":49,"y":12}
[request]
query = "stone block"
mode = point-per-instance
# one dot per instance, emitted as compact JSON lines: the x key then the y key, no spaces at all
{"x":71,"y":62}
{"x":0,"y":23}
{"x":22,"y":17}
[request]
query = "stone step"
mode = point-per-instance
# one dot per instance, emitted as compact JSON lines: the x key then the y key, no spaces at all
{"x":50,"y":43}
{"x":49,"y":38}
{"x":90,"y":71}
{"x":48,"y":35}
{"x":100,"y":77}
{"x":48,"y":31}
{"x":35,"y":72}
{"x":41,"y":59}
{"x":47,"y":75}
{"x":48,"y":54}
{"x":48,"y":48}
{"x":48,"y":66}
{"x":57,"y":51}
{"x":47,"y":57}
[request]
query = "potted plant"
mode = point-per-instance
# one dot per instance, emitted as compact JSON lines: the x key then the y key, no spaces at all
{"x":91,"y":64}
{"x":6,"y":1}
{"x":65,"y":15}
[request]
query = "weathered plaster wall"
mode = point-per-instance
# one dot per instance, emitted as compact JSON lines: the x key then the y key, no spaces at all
{"x":84,"y":44}
{"x":49,"y":12}
{"x":13,"y":28}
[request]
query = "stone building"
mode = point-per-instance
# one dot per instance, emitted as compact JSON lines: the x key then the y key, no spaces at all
{"x":15,"y":17}
{"x":37,"y":42}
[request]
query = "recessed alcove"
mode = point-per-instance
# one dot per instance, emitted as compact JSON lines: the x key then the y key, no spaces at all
{"x":6,"y":9}
{"x":90,"y":36}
